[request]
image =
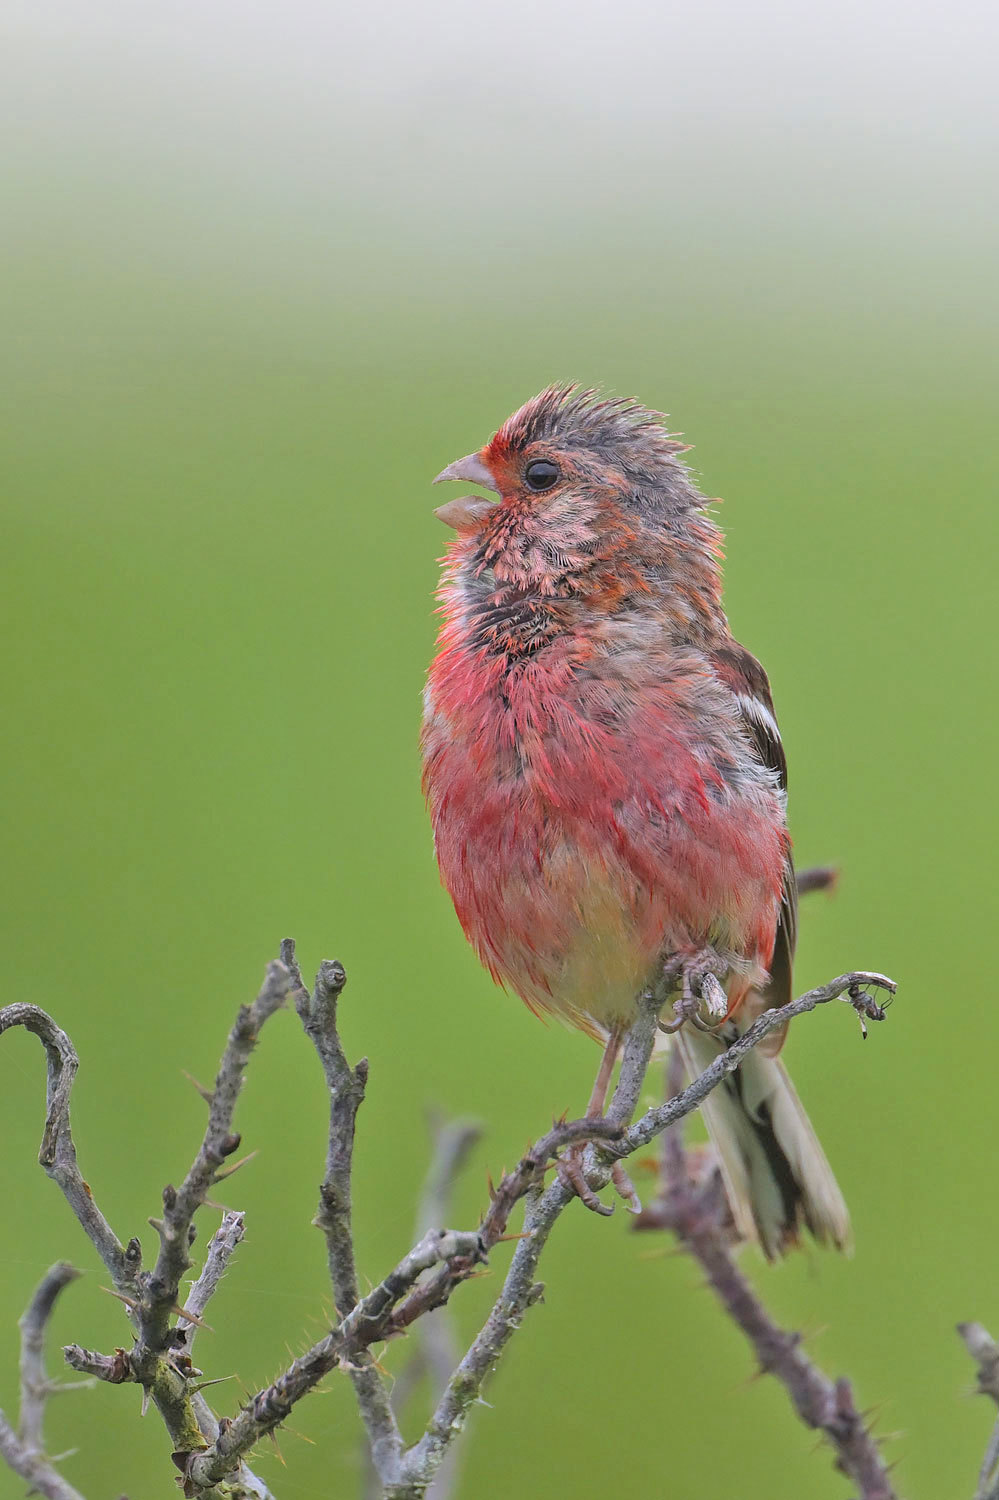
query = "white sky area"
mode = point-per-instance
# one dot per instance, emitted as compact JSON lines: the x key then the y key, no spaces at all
{"x":444,"y":124}
{"x":380,"y":71}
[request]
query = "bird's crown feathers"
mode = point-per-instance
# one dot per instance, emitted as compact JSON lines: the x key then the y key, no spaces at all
{"x":576,"y":417}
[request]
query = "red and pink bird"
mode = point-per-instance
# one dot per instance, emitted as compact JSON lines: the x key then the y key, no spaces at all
{"x":605,"y":774}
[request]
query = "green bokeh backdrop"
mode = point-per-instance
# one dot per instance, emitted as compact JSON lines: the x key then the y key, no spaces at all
{"x":219,"y":563}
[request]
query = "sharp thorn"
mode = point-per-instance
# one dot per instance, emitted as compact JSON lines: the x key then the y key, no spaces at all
{"x":206,"y":1094}
{"x":191,"y":1317}
{"x":128,"y":1301}
{"x":221,"y":1176}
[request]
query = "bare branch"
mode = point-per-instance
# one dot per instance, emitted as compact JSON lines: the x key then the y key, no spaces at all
{"x":161,"y":1288}
{"x":520,"y":1291}
{"x":221,"y":1248}
{"x":24,"y":1450}
{"x":58,"y":1153}
{"x":346,"y":1086}
{"x":452,"y":1143}
{"x":113,"y":1369}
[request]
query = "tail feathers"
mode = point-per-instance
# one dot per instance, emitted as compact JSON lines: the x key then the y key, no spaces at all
{"x":775,"y":1172}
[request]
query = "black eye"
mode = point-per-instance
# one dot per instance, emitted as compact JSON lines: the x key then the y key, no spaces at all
{"x":541,"y":474}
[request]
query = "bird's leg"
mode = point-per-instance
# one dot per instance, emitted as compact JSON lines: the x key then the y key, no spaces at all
{"x":700,"y":984}
{"x":570,"y":1161}
{"x":598,"y":1094}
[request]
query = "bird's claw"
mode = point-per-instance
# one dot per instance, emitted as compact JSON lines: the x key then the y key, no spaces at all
{"x":570,"y":1170}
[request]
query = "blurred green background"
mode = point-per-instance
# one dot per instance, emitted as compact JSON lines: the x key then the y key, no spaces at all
{"x":267,"y":270}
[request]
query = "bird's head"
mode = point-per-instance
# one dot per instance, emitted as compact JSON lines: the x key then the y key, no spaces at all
{"x":571,"y":454}
{"x":595,"y":512}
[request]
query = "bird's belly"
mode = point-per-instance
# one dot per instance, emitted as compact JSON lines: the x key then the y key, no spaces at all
{"x":610,"y":944}
{"x":563,"y":912}
{"x":563,"y":928}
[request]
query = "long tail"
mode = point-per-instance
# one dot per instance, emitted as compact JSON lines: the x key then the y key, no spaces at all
{"x":775,"y":1172}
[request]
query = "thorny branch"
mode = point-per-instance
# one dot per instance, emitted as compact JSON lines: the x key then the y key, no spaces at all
{"x":692,"y":1204}
{"x":57,"y":1153}
{"x":208,"y":1452}
{"x":318,"y":1014}
{"x":161,"y":1288}
{"x":221,"y":1248}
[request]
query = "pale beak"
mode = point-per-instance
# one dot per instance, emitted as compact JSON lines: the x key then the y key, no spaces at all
{"x":472,"y":470}
{"x":466,"y":514}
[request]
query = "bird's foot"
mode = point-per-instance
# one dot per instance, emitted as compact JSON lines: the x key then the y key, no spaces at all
{"x":570,"y":1169}
{"x":701,"y":990}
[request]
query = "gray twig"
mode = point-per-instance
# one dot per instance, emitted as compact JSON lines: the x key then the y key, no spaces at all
{"x":24,"y":1450}
{"x":220,"y":1250}
{"x":346,"y":1085}
{"x":57,"y":1154}
{"x":113,"y":1369}
{"x":985,"y":1352}
{"x":161,"y":1287}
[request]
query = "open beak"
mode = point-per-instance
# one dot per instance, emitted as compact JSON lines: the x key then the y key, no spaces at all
{"x":468,"y":513}
{"x":471,"y":469}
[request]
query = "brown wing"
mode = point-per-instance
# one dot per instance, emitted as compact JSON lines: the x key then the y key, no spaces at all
{"x":749,"y":684}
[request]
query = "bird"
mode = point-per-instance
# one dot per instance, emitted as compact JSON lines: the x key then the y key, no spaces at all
{"x":605,"y":776}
